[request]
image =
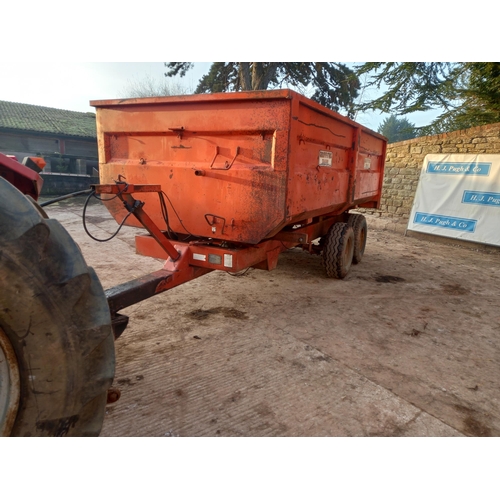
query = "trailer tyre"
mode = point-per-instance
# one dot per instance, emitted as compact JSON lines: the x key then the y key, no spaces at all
{"x":338,"y":250}
{"x":360,"y":228}
{"x":56,"y":343}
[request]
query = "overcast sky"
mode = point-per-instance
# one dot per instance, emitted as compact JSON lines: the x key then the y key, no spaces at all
{"x":71,"y":85}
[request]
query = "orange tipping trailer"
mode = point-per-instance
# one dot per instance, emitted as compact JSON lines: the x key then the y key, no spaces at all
{"x":229,"y":181}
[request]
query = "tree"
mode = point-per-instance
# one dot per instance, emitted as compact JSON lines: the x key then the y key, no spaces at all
{"x":333,"y":85}
{"x":397,"y":129}
{"x":152,"y":87}
{"x":480,"y":94}
{"x":468,"y":93}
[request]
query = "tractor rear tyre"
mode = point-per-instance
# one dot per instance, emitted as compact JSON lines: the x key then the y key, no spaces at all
{"x":338,"y":250}
{"x":57,"y":355}
{"x":360,"y":228}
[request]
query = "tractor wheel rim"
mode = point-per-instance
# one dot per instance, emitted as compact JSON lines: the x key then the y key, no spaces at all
{"x":10,"y":387}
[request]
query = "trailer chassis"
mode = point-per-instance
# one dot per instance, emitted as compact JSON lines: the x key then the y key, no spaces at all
{"x":188,"y":260}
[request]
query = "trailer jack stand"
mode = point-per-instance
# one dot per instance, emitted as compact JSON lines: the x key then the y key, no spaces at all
{"x":174,"y":273}
{"x":119,"y":322}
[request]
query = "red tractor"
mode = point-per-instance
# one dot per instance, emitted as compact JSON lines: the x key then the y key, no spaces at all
{"x":56,"y":341}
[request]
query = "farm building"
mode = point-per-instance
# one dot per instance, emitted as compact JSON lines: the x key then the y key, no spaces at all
{"x":65,"y":139}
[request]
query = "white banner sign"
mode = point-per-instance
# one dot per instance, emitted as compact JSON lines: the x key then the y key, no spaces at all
{"x":458,"y":196}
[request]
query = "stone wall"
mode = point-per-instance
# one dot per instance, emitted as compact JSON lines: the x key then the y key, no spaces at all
{"x":404,"y":161}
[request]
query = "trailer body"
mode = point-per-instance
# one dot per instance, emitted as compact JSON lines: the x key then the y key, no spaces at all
{"x":229,"y":181}
{"x":238,"y":167}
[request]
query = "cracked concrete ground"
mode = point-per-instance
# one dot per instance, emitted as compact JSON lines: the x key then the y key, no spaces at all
{"x":406,"y":345}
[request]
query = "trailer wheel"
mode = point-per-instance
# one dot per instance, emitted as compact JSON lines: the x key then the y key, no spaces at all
{"x":360,"y":228}
{"x":338,"y":250}
{"x":56,"y":342}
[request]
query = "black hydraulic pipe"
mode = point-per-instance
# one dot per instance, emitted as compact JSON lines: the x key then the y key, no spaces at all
{"x":65,"y":197}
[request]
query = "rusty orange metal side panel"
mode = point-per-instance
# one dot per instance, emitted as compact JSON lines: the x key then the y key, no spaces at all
{"x":186,"y":147}
{"x":319,"y":169}
{"x":238,"y":167}
{"x":369,"y":168}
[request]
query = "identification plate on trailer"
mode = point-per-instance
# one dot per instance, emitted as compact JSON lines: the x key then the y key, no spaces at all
{"x":325,"y":158}
{"x":368,"y":163}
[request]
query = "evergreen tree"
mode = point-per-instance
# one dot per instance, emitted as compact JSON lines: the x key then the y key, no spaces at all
{"x":397,"y":129}
{"x":334,"y":85}
{"x":468,"y":93}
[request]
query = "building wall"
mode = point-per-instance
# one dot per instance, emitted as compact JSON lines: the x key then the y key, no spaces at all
{"x":47,"y":145}
{"x":404,"y":161}
{"x":68,"y":155}
{"x":11,"y":143}
{"x":61,"y":184}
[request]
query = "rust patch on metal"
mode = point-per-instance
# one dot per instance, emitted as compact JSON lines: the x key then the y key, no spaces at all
{"x":113,"y":395}
{"x":163,"y":285}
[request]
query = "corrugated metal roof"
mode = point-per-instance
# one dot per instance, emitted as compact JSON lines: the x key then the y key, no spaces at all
{"x":28,"y":117}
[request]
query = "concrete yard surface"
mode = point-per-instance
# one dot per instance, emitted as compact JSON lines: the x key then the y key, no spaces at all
{"x":408,"y":344}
